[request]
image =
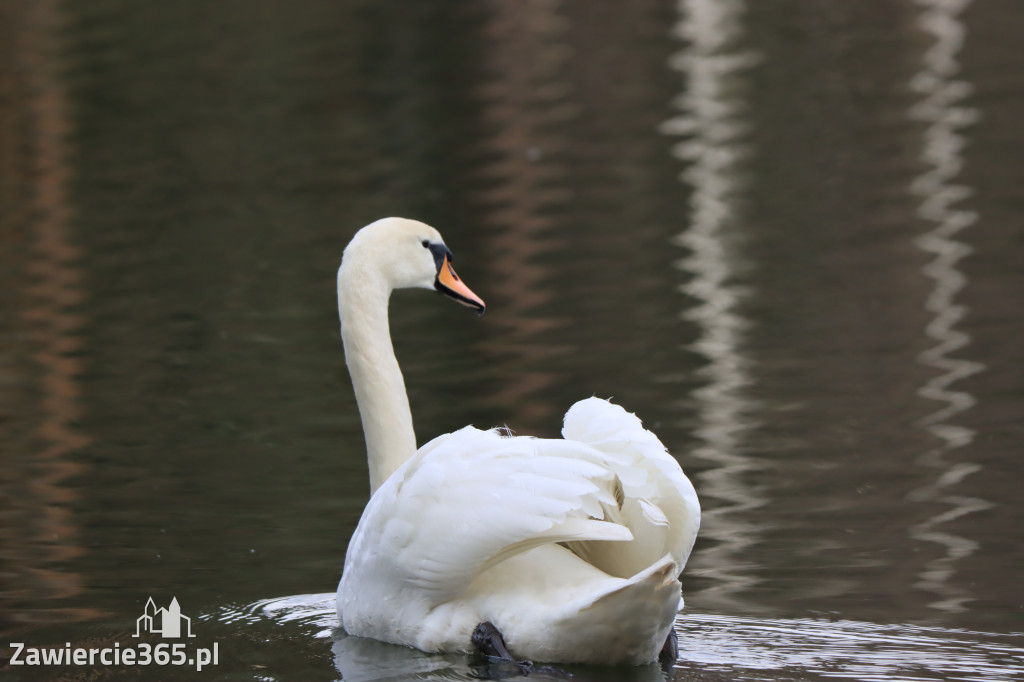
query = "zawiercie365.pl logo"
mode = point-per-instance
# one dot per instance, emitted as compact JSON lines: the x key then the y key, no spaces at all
{"x":167,"y":622}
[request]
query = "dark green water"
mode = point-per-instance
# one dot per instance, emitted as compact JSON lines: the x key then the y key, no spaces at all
{"x":787,"y":234}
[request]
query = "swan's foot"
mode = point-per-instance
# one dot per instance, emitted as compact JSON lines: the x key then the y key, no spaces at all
{"x":670,"y":650}
{"x":488,"y":640}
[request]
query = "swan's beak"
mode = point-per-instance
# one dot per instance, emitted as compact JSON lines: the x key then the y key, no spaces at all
{"x":449,"y":284}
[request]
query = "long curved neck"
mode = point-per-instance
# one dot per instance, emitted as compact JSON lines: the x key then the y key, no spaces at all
{"x":376,"y":377}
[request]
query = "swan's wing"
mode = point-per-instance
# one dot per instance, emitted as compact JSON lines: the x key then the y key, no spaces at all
{"x":470,"y":499}
{"x":659,"y":503}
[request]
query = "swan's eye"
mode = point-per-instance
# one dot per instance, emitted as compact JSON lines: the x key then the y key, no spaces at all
{"x":426,"y":243}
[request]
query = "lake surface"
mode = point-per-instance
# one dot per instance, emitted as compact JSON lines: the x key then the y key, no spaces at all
{"x":787,"y":234}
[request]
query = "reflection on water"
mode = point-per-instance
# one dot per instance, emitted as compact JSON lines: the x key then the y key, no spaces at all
{"x":40,"y":531}
{"x":711,"y":647}
{"x":524,"y":104}
{"x":943,"y":109}
{"x":712,"y":119}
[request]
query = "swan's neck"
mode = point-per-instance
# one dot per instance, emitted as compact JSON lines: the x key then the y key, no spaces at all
{"x":376,"y":377}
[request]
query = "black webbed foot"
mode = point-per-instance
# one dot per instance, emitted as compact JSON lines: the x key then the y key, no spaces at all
{"x":488,"y":640}
{"x":670,"y":650}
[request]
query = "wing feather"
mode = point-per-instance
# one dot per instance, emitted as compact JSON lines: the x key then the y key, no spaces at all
{"x":661,"y":506}
{"x":478,"y":498}
{"x":609,"y":491}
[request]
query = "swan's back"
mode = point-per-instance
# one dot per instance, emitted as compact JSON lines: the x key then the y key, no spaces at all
{"x":558,"y":542}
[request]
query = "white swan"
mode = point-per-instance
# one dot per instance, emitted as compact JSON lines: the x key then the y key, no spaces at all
{"x":570,"y":547}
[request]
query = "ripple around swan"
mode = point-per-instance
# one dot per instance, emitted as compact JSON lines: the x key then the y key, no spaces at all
{"x":714,"y":646}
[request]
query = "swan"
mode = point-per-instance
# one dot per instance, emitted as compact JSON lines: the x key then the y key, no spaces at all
{"x":563,"y":550}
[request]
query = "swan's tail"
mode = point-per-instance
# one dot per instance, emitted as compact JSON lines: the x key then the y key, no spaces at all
{"x":628,"y":622}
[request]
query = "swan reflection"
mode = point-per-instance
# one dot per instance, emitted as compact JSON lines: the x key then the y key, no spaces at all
{"x":360,"y":660}
{"x":941,"y":107}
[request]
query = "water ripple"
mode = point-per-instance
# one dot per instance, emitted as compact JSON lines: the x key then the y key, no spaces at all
{"x":848,"y":649}
{"x":317,"y":611}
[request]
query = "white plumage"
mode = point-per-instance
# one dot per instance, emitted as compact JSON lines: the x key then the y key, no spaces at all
{"x":572,"y":547}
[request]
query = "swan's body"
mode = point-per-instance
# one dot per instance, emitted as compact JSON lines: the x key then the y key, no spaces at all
{"x":571,"y":547}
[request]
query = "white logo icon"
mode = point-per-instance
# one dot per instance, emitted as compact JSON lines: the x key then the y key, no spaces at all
{"x":166,"y":622}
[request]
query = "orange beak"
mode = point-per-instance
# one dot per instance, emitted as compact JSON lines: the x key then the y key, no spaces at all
{"x":449,"y":284}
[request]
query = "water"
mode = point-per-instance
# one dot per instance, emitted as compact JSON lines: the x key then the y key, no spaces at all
{"x":786,"y":234}
{"x":718,"y":647}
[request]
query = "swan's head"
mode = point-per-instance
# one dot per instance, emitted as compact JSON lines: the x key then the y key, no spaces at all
{"x":407,"y":254}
